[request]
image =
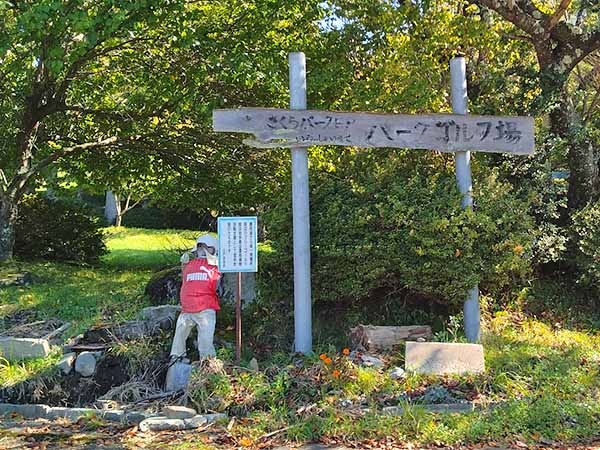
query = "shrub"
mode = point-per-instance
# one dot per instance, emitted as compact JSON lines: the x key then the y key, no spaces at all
{"x":164,"y":218}
{"x":377,"y":234}
{"x":55,"y":230}
{"x":586,"y":237}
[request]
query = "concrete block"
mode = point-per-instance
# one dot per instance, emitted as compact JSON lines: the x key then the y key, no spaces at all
{"x":164,"y":424}
{"x":178,"y":376}
{"x":444,"y":358}
{"x":15,"y":349}
{"x":27,"y":411}
{"x":85,"y":364}
{"x":72,"y":414}
{"x":178,"y":412}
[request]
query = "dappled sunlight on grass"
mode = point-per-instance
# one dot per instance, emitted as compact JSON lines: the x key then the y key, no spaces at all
{"x":136,"y":248}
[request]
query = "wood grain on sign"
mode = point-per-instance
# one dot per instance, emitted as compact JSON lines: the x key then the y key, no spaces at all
{"x":443,"y":132}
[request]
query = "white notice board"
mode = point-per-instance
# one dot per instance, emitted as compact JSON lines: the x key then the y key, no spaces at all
{"x":237,"y":244}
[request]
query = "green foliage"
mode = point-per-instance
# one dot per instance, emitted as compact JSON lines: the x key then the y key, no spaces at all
{"x":391,"y":230}
{"x":55,"y":230}
{"x":586,"y":235}
{"x":162,"y":218}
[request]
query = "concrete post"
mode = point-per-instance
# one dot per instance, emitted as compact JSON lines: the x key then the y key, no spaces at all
{"x":458,"y":76}
{"x":301,"y":215}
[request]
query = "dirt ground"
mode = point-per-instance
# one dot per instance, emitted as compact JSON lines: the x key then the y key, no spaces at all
{"x":90,"y":435}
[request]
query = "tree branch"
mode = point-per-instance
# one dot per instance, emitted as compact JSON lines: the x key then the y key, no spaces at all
{"x":101,"y":113}
{"x":564,"y":4}
{"x":17,"y":184}
{"x":521,"y":13}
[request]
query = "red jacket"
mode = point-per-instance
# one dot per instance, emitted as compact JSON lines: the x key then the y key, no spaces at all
{"x":199,"y":286}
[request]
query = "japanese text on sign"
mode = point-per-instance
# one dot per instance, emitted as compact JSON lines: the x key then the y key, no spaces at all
{"x":443,"y":132}
{"x":237,"y":244}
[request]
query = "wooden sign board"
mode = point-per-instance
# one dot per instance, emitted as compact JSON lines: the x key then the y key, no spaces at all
{"x":443,"y":132}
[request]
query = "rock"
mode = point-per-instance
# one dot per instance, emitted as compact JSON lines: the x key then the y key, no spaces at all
{"x":229,"y":286}
{"x":253,"y":364}
{"x":66,"y":363}
{"x":162,"y":317}
{"x":163,"y":287}
{"x":164,"y":424}
{"x":440,"y":408}
{"x":178,"y":376}
{"x":346,"y":403}
{"x":16,"y":279}
{"x":73,"y":414}
{"x":371,"y":361}
{"x":15,"y":349}
{"x":85,"y":364}
{"x":397,"y":373}
{"x":444,"y":358}
{"x":178,"y":412}
{"x":126,"y":331}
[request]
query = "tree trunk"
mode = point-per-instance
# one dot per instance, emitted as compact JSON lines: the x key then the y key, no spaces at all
{"x":375,"y":338}
{"x":8,"y":220}
{"x":110,"y":207}
{"x":584,"y":178}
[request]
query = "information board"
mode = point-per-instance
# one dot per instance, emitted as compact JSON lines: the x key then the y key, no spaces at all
{"x":237,"y":244}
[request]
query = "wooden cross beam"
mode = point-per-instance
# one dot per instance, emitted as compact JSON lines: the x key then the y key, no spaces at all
{"x":443,"y":132}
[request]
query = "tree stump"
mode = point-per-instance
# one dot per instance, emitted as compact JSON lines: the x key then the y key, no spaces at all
{"x":375,"y":338}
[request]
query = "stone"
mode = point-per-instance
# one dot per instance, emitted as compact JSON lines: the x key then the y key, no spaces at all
{"x":397,"y":373}
{"x":73,"y":414}
{"x":178,"y":412}
{"x":162,"y":317}
{"x":66,"y":363}
{"x":15,"y":349}
{"x":163,"y":287}
{"x":435,"y":408}
{"x":253,"y":364}
{"x":229,"y":286}
{"x":165,"y":424}
{"x":440,"y":358}
{"x":130,"y":330}
{"x":85,"y":364}
{"x":16,"y":279}
{"x":371,"y":361}
{"x":178,"y":376}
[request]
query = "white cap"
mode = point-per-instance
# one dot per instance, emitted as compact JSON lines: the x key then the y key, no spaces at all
{"x":207,"y":239}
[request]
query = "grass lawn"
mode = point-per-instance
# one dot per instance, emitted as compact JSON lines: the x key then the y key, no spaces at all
{"x":543,"y":378}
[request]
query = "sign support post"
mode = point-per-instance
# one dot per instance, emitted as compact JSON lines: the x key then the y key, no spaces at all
{"x":301,"y":215}
{"x":462,"y":159}
{"x":238,"y":319}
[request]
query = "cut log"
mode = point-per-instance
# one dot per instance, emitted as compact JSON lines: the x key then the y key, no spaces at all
{"x":373,"y":338}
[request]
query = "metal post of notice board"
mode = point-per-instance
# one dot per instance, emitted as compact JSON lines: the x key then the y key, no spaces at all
{"x":238,"y":319}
